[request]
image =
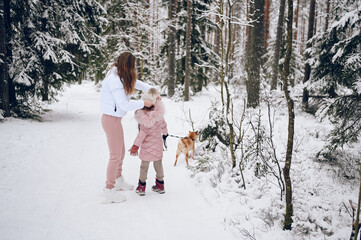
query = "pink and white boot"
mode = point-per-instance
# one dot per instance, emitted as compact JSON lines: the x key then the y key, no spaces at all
{"x":141,"y":188}
{"x":158,"y":187}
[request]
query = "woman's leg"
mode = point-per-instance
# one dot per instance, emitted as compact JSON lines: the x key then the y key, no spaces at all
{"x":144,"y":166}
{"x":115,"y":138}
{"x":122,"y":155}
{"x":158,"y":167}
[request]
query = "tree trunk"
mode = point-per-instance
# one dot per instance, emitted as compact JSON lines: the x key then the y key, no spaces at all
{"x":357,"y":225}
{"x":327,"y":14}
{"x":236,"y":30}
{"x":8,"y":35}
{"x":171,"y":37}
{"x":216,"y":47}
{"x":278,"y":45}
{"x":45,"y":90}
{"x":229,"y":35}
{"x":267,"y":22}
{"x":144,"y":39}
{"x":256,"y":50}
{"x":296,"y":20}
{"x":315,"y":21}
{"x":188,"y":52}
{"x":248,"y":10}
{"x":221,"y":25}
{"x":291,"y":121}
{"x":216,"y":37}
{"x":4,"y":86}
{"x":311,"y":19}
{"x":303,"y":36}
{"x":229,"y":108}
{"x":176,"y":24}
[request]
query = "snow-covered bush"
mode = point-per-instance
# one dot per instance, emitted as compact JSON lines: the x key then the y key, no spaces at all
{"x":215,"y":131}
{"x":345,"y":161}
{"x":255,"y":149}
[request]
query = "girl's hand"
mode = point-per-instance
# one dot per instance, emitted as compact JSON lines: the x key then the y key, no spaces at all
{"x":134,"y":150}
{"x":148,"y":103}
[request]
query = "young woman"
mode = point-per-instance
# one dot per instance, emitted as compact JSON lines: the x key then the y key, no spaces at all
{"x":117,"y":87}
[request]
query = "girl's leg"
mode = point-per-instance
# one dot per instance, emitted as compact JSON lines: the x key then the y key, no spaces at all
{"x":143,"y":171}
{"x":115,"y":138}
{"x":158,"y":167}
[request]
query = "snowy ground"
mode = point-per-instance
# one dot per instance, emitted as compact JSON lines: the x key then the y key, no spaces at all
{"x":52,"y":174}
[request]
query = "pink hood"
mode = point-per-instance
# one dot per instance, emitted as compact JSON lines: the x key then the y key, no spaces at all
{"x":149,"y":118}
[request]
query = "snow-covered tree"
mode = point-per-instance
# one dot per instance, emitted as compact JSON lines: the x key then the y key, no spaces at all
{"x":134,"y":26}
{"x":201,"y":57}
{"x":336,"y":60}
{"x":52,"y":43}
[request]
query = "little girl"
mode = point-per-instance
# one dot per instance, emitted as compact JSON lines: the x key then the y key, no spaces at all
{"x":151,"y":128}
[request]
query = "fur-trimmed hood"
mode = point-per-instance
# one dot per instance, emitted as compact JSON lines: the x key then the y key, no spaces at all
{"x":149,"y":118}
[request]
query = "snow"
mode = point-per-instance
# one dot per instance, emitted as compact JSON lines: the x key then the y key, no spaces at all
{"x":52,"y":174}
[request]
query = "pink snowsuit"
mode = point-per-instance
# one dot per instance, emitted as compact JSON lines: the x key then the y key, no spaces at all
{"x":151,"y":128}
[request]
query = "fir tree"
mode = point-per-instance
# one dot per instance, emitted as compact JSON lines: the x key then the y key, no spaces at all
{"x":337,"y":75}
{"x":200,"y":55}
{"x":53,"y":42}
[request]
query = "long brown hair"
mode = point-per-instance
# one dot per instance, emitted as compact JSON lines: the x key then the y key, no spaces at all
{"x":126,"y":71}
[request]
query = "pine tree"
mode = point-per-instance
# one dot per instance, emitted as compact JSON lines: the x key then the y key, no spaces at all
{"x":337,"y":76}
{"x":115,"y":30}
{"x":53,"y":43}
{"x":201,"y":57}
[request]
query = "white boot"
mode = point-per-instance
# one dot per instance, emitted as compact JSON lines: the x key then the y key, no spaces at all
{"x":121,"y":184}
{"x":112,"y":196}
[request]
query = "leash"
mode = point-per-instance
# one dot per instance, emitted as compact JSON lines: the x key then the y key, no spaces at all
{"x":170,"y":135}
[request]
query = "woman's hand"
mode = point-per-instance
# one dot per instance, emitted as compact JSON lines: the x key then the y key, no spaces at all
{"x":148,"y":103}
{"x":159,"y":97}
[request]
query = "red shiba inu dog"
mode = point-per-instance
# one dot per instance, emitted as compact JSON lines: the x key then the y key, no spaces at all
{"x":185,"y":145}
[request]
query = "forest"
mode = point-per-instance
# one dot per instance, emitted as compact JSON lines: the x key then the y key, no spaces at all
{"x":301,"y":56}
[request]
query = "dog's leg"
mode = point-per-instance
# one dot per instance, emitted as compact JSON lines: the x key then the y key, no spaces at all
{"x":187,"y":158}
{"x":193,"y":150}
{"x":176,"y":156}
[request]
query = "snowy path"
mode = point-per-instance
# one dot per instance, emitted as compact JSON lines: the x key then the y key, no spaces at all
{"x":52,"y":174}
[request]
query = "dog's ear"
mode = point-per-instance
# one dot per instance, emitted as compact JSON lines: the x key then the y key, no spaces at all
{"x":196,"y":132}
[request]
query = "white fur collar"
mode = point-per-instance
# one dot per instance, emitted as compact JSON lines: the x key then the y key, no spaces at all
{"x":149,"y":118}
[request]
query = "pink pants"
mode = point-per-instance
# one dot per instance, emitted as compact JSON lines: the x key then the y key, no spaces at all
{"x":115,"y":137}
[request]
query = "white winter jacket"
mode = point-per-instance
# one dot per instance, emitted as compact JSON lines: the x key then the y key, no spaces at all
{"x":114,"y":100}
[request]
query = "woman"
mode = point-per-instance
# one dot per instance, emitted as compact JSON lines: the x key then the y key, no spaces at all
{"x":117,"y":87}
